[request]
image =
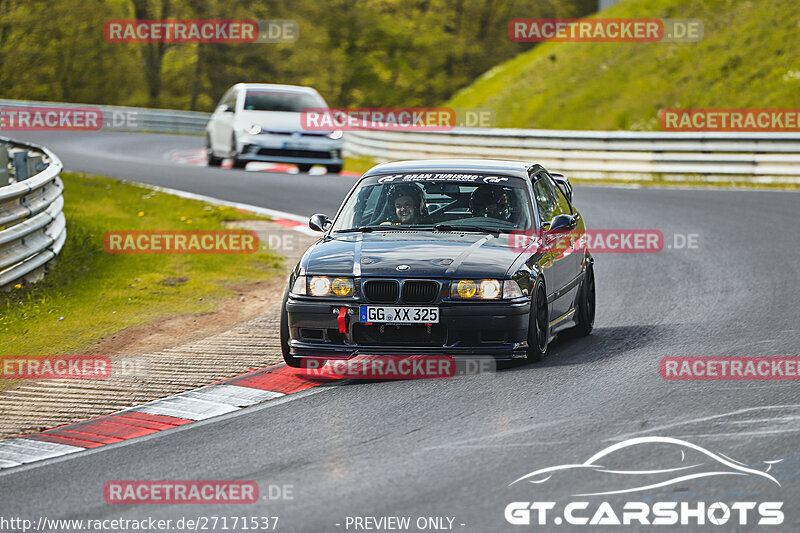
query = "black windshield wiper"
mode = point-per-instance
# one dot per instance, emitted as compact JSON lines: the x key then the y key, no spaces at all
{"x":368,"y":229}
{"x":465,"y":227}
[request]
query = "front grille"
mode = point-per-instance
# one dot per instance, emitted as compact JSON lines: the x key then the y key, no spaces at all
{"x":382,"y":291}
{"x":294,"y":153}
{"x":391,"y":335}
{"x":420,"y":292}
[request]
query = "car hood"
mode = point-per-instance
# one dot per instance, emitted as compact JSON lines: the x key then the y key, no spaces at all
{"x":427,"y":254}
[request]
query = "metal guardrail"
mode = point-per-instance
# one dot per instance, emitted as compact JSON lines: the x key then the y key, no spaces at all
{"x":32,"y":226}
{"x":117,"y":118}
{"x":626,"y":155}
{"x":759,"y":157}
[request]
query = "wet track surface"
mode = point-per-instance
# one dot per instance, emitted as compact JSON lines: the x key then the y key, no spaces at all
{"x":452,"y":447}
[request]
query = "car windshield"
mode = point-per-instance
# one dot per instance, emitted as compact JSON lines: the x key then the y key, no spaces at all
{"x":467,"y":202}
{"x":280,"y":101}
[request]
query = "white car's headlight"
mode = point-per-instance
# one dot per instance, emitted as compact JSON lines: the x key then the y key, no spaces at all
{"x":254,"y":129}
{"x":335,"y":134}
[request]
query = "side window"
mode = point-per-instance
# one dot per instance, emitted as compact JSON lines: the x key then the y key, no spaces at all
{"x":230,"y":98}
{"x":562,"y":205}
{"x":545,"y":199}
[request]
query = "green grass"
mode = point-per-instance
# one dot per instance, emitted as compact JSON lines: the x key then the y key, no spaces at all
{"x":747,"y":58}
{"x":99,"y":294}
{"x":358,"y":164}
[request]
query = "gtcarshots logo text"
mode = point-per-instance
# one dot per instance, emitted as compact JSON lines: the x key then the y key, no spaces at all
{"x":579,"y":513}
{"x":618,"y":469}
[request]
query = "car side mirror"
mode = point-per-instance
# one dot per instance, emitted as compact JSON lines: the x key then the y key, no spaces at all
{"x":227,"y":109}
{"x":562,"y":222}
{"x":319,"y":222}
{"x":565,"y":186}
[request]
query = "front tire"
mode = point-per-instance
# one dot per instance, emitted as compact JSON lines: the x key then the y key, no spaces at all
{"x":237,"y":163}
{"x":539,"y":324}
{"x":213,"y":161}
{"x":333,"y":169}
{"x":292,"y":361}
{"x":586,"y":307}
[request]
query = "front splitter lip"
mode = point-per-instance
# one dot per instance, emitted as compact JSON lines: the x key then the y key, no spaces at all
{"x":505,"y":352}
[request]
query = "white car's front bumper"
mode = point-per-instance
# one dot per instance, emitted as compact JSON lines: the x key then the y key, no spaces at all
{"x":312,"y":149}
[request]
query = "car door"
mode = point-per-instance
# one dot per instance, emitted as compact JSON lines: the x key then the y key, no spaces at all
{"x":572,"y":254}
{"x":556,"y":265}
{"x":221,"y":123}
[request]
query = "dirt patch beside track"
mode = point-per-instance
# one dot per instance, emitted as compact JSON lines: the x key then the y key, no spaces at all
{"x":174,"y":355}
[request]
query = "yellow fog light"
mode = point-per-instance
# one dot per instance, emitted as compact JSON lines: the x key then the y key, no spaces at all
{"x":319,"y":286}
{"x":342,"y":286}
{"x":490,"y":289}
{"x":466,"y":288}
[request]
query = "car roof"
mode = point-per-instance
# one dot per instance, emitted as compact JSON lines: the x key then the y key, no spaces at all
{"x":519,"y":169}
{"x":278,"y":87}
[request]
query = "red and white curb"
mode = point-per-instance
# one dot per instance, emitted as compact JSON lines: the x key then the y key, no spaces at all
{"x":197,"y":157}
{"x":206,"y":402}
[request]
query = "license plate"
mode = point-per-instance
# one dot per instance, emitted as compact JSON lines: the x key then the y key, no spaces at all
{"x":288,"y":145}
{"x":399,"y":315}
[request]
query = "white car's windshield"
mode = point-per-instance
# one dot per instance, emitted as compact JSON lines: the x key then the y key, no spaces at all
{"x":260,"y":100}
{"x":450,"y":202}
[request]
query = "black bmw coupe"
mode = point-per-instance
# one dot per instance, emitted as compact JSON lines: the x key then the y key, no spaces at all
{"x":442,"y":257}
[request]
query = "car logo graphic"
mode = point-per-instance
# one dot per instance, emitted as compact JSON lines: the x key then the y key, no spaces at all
{"x":403,"y":268}
{"x":386,"y":178}
{"x":600,"y":465}
{"x":494,"y":179}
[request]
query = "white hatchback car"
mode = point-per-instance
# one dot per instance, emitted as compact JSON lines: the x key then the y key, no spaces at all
{"x":262,"y":122}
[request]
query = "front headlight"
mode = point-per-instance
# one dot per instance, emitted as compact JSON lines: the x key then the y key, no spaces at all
{"x":335,"y":134}
{"x":326,"y":286}
{"x":478,"y":289}
{"x":254,"y":129}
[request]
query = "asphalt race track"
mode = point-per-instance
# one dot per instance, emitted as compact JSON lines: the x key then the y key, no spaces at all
{"x":451,"y":448}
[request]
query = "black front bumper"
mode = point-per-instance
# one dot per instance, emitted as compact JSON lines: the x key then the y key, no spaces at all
{"x":472,"y":329}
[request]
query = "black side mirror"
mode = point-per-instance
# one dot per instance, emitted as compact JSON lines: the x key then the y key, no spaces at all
{"x":563,"y":184}
{"x":562,"y":222}
{"x":227,"y":109}
{"x":319,"y":222}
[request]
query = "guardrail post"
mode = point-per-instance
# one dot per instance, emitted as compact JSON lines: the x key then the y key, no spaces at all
{"x":5,"y":175}
{"x":35,"y":164}
{"x":21,"y":171}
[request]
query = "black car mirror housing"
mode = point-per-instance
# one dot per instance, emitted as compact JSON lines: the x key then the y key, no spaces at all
{"x":319,"y":222}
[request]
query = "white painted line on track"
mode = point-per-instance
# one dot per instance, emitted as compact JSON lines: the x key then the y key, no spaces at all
{"x":303,"y":228}
{"x":22,"y":450}
{"x":233,"y":395}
